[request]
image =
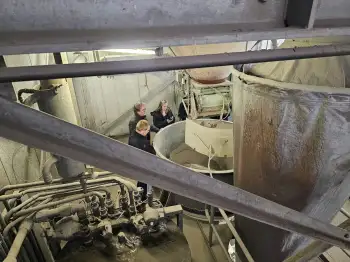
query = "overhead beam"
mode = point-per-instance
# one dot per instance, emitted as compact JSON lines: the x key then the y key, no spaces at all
{"x":84,"y":40}
{"x":40,"y":130}
{"x":302,"y":13}
{"x":168,"y":63}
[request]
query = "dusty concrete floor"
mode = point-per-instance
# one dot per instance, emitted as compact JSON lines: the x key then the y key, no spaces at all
{"x":199,"y":250}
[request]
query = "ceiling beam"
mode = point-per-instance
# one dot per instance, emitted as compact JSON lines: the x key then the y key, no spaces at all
{"x":28,"y":73}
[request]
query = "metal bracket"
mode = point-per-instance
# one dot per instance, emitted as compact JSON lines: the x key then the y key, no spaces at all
{"x":37,"y":94}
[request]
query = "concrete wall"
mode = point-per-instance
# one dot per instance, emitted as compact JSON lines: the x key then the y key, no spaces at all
{"x":99,"y":102}
{"x":19,"y":163}
{"x":102,"y":100}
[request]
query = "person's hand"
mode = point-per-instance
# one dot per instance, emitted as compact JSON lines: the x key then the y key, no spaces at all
{"x":170,"y":120}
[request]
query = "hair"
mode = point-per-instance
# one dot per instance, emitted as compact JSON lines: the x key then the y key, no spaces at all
{"x":137,"y":107}
{"x":161,"y":103}
{"x":142,"y":125}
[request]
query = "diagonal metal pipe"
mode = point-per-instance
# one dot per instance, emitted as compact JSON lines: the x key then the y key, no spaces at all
{"x":27,"y":73}
{"x":40,"y":130}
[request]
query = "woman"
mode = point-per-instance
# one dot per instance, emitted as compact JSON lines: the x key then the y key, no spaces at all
{"x":163,"y":116}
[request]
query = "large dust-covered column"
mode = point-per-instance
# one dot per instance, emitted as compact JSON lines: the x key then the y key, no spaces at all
{"x":291,"y":146}
{"x":61,"y":106}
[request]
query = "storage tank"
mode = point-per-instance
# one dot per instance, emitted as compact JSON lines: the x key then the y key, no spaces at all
{"x":291,"y":129}
{"x":169,"y":144}
{"x":210,"y":75}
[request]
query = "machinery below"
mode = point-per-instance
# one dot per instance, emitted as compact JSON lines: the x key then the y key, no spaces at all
{"x":96,"y":219}
{"x":205,"y":99}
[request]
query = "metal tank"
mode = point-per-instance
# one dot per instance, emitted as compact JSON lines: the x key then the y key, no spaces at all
{"x":291,"y":130}
{"x":169,"y":144}
{"x":210,"y":75}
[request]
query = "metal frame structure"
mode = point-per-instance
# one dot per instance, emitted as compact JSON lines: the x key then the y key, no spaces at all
{"x":169,"y":63}
{"x":59,"y":26}
{"x":209,"y":214}
{"x":37,"y":129}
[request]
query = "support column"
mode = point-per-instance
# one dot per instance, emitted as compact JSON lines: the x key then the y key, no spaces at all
{"x":61,"y":105}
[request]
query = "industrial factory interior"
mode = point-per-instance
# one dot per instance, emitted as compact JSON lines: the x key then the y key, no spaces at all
{"x":174,"y":130}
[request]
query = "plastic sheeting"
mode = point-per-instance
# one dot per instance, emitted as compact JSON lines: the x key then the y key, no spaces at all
{"x":292,"y":146}
{"x":329,"y":71}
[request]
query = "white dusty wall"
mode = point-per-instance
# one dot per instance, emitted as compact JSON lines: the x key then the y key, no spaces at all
{"x":18,"y":163}
{"x":102,"y":100}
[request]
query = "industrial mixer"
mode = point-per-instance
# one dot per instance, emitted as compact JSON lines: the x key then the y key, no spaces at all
{"x":169,"y":144}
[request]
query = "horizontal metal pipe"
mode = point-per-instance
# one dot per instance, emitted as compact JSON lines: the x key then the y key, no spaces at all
{"x":130,"y":186}
{"x":39,"y":130}
{"x":6,"y":188}
{"x":63,"y":210}
{"x":51,"y":194}
{"x":13,"y":74}
{"x":315,"y":248}
{"x":60,"y":202}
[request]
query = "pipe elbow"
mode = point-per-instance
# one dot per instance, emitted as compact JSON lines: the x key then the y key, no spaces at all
{"x":46,"y":172}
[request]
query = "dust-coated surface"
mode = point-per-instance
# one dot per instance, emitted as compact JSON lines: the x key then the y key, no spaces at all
{"x":186,"y":156}
{"x":170,"y":247}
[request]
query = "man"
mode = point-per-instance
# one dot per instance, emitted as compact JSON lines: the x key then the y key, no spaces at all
{"x":140,"y":114}
{"x":138,"y":139}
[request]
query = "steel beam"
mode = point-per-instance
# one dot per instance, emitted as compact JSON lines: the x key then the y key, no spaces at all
{"x":37,"y":129}
{"x":77,"y":25}
{"x":68,"y":41}
{"x":169,"y":63}
{"x":314,"y":249}
{"x":301,"y":13}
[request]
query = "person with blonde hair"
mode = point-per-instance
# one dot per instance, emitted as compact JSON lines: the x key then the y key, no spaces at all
{"x":139,"y":140}
{"x":162,"y":116}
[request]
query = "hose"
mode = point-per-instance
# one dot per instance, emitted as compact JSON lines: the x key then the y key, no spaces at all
{"x":46,"y":172}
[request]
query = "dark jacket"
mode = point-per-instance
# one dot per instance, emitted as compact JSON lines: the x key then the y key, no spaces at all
{"x":141,"y":142}
{"x":161,"y":121}
{"x":182,"y":112}
{"x":133,"y":122}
